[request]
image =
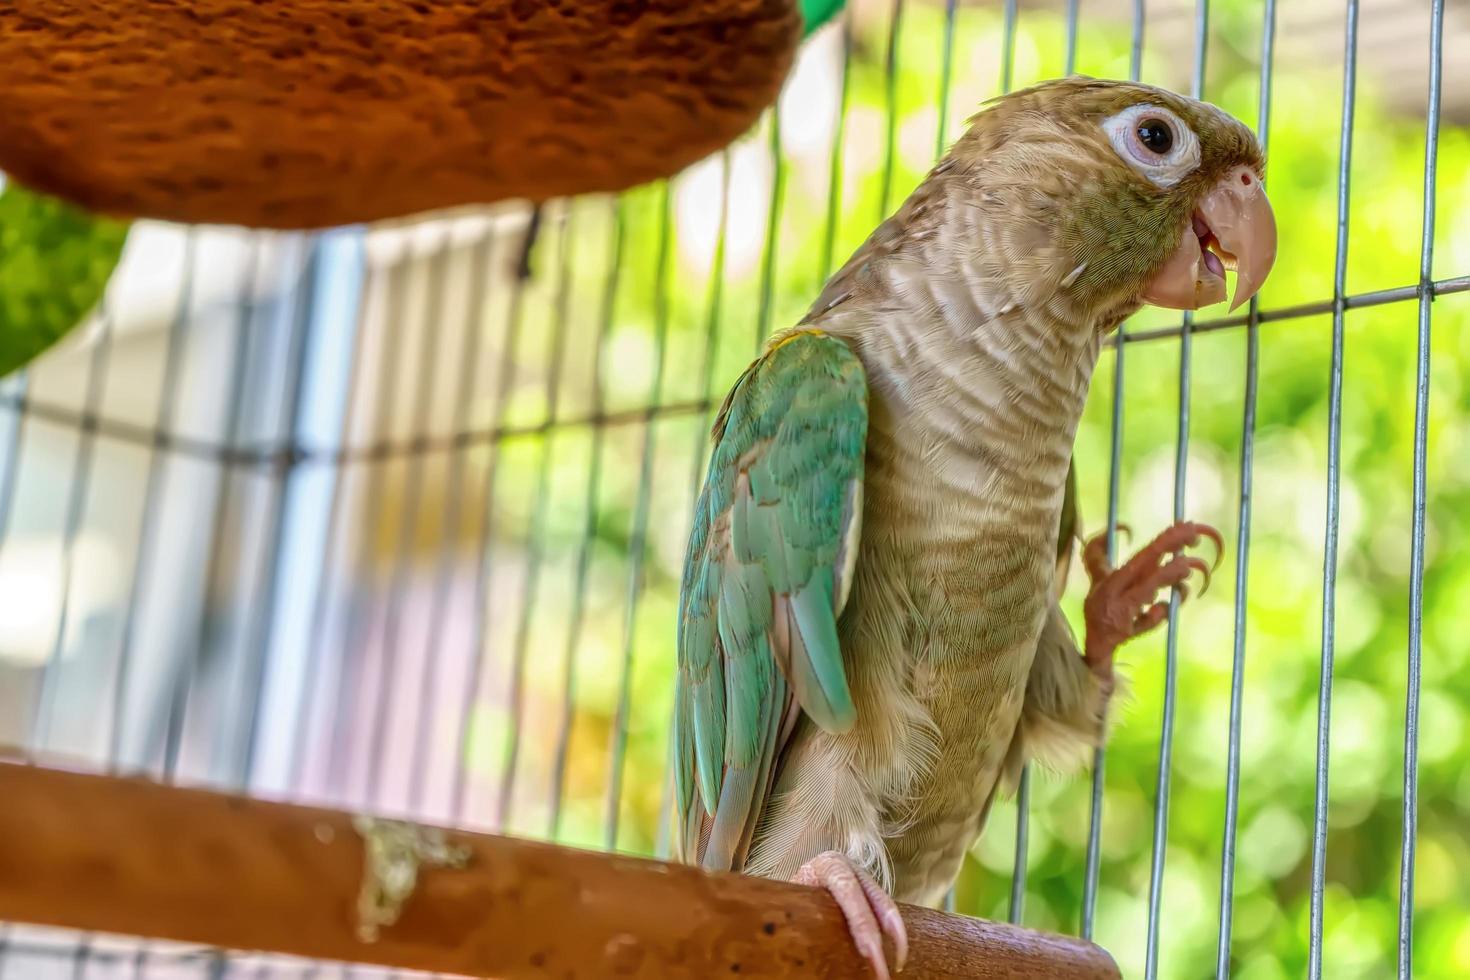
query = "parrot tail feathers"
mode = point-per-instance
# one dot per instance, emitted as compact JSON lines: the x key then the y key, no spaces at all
{"x":725,"y":839}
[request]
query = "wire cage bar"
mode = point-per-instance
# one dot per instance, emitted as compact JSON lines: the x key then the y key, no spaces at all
{"x":391,"y":519}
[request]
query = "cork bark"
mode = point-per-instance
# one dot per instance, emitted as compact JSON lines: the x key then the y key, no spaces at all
{"x":323,"y":112}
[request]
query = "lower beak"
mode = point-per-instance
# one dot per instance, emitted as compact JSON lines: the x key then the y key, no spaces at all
{"x":1232,"y":228}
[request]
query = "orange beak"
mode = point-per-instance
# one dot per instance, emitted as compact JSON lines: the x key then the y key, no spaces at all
{"x":1233,"y":229}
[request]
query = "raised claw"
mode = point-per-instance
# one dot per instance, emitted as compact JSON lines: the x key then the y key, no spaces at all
{"x":1121,"y":603}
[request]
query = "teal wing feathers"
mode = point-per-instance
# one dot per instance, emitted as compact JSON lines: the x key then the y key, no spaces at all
{"x":766,"y":575}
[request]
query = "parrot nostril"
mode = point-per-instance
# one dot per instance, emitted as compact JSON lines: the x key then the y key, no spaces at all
{"x":1245,"y":179}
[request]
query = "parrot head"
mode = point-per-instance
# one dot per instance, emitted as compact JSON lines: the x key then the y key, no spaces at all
{"x":1117,"y":194}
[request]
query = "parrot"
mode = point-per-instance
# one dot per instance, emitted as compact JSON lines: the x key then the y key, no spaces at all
{"x":870,"y":644}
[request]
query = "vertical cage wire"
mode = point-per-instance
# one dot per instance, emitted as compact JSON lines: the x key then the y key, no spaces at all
{"x":407,"y":518}
{"x":482,"y":253}
{"x":1016,"y":908}
{"x":318,"y":622}
{"x":834,"y":165}
{"x":537,"y":527}
{"x":1008,"y":45}
{"x":638,"y":541}
{"x":890,"y":94}
{"x":76,"y":503}
{"x":514,"y":321}
{"x":1243,"y":540}
{"x":589,"y":524}
{"x":1071,"y":57}
{"x":1176,"y":595}
{"x":165,"y":420}
{"x":356,"y":681}
{"x":1171,"y":661}
{"x":946,"y":78}
{"x":262,"y":604}
{"x":1334,"y":498}
{"x":765,"y":309}
{"x":1409,"y":836}
{"x":1092,"y":861}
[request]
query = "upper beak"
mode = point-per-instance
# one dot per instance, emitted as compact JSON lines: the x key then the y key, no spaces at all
{"x":1233,"y":228}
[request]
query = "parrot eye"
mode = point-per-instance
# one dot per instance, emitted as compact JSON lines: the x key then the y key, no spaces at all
{"x":1155,"y":142}
{"x":1156,"y":135}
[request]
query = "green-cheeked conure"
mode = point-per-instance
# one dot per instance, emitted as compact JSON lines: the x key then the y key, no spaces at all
{"x":870,"y":641}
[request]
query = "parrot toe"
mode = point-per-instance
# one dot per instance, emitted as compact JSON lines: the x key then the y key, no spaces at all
{"x":1095,"y":554}
{"x":870,"y":912}
{"x":1122,"y":603}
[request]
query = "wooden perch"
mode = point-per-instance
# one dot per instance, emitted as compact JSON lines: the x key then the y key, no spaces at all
{"x":326,"y":112}
{"x":125,"y":856}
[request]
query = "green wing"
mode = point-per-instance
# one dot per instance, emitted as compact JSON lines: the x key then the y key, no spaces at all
{"x":55,"y":261}
{"x":766,"y":575}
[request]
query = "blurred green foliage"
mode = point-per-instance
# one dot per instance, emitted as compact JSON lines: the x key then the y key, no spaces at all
{"x":55,"y":261}
{"x":682,"y":313}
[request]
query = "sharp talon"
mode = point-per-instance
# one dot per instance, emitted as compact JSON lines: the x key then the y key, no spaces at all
{"x":1199,"y":565}
{"x":1208,"y":532}
{"x":1095,"y":558}
{"x":1124,"y":529}
{"x":1219,"y":549}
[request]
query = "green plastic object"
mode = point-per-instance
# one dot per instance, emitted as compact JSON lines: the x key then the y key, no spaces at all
{"x":815,"y":13}
{"x":55,"y":261}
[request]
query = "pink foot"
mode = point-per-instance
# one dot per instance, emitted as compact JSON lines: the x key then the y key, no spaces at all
{"x":1123,"y":603}
{"x":869,"y":911}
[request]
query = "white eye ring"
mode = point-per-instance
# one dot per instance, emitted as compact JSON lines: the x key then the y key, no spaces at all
{"x":1164,"y":169}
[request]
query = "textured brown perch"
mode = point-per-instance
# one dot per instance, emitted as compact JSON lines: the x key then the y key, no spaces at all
{"x":124,"y":856}
{"x":324,"y":112}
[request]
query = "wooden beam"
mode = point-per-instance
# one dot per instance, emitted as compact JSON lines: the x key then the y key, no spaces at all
{"x":126,"y":856}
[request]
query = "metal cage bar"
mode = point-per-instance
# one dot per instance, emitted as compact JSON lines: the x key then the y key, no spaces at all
{"x":76,"y":503}
{"x":1243,"y":539}
{"x":1334,"y":498}
{"x":485,"y":566}
{"x":590,"y":523}
{"x":639,"y":537}
{"x":1176,"y":596}
{"x":537,"y":527}
{"x":1409,"y":838}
